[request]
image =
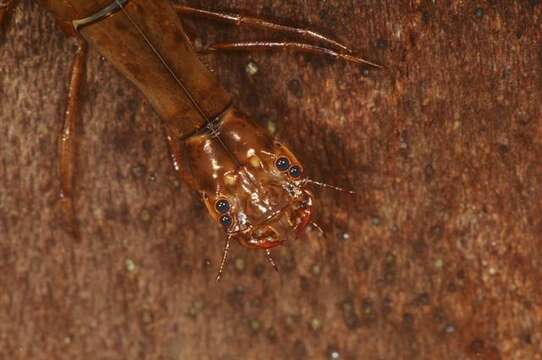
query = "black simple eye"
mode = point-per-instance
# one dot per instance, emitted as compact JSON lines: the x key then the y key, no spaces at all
{"x":226,"y":221}
{"x":282,"y":164}
{"x":295,"y":171}
{"x":222,"y":206}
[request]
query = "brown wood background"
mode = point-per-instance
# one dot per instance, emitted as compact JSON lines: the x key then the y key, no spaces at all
{"x":438,"y":257}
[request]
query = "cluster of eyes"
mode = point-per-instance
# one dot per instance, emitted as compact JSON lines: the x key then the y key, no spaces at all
{"x":283,"y":164}
{"x":223,"y":207}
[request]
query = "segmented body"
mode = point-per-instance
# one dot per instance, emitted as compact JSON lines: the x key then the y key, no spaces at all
{"x":216,"y":149}
{"x":252,"y":185}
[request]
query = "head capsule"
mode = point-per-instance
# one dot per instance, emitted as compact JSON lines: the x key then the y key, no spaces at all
{"x":252,"y":186}
{"x":263,"y":202}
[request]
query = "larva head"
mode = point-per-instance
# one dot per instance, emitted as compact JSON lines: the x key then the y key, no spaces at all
{"x":263,"y":202}
{"x":253,"y":186}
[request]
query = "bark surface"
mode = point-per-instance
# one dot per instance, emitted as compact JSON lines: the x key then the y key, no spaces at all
{"x":438,"y":256}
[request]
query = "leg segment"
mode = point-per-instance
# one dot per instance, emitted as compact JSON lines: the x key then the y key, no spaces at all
{"x":174,"y":147}
{"x":67,"y":145}
{"x":301,"y":47}
{"x":240,"y":20}
{"x":5,"y":8}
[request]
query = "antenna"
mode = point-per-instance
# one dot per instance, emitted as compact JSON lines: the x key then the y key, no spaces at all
{"x":224,"y":257}
{"x":327,"y":186}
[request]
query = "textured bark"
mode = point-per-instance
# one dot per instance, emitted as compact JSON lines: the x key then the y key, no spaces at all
{"x":438,"y":256}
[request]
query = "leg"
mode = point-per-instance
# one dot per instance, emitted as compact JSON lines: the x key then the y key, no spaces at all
{"x":301,"y":47}
{"x":224,"y":257}
{"x":240,"y":20}
{"x":67,"y":145}
{"x":174,"y":147}
{"x":5,"y":7}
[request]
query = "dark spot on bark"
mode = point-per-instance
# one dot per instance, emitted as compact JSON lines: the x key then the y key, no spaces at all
{"x":122,"y":141}
{"x":259,"y":270}
{"x":437,"y":231}
{"x":389,"y":268}
{"x":390,"y":259}
{"x":526,"y":338}
{"x":479,"y":13}
{"x":300,"y":350}
{"x":368,"y":312}
{"x":387,"y":308}
{"x":351,"y":319}
{"x":503,"y":149}
{"x":252,"y":99}
{"x":15,"y":141}
{"x":271,"y":334}
{"x":256,"y":302}
{"x":441,"y":320}
{"x":132,"y":105}
{"x":147,"y":146}
{"x":289,"y":264}
{"x":413,"y":37}
{"x":197,"y":206}
{"x":138,"y":171}
{"x":476,"y":347}
{"x":533,"y":3}
{"x":295,"y":88}
{"x":426,"y":16}
{"x":146,"y":317}
{"x":43,"y":144}
{"x":525,"y":119}
{"x":123,"y":213}
{"x":421,"y":300}
{"x":382,"y":44}
{"x":304,"y":283}
{"x":267,"y":12}
{"x":121,"y":114}
{"x":408,"y":321}
{"x":152,"y":178}
{"x":236,"y":297}
{"x":195,"y":308}
{"x":452,"y":287}
{"x":362,"y":264}
{"x":419,"y":247}
{"x":429,"y":171}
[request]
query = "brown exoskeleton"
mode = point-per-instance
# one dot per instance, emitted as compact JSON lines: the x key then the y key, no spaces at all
{"x":253,"y":186}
